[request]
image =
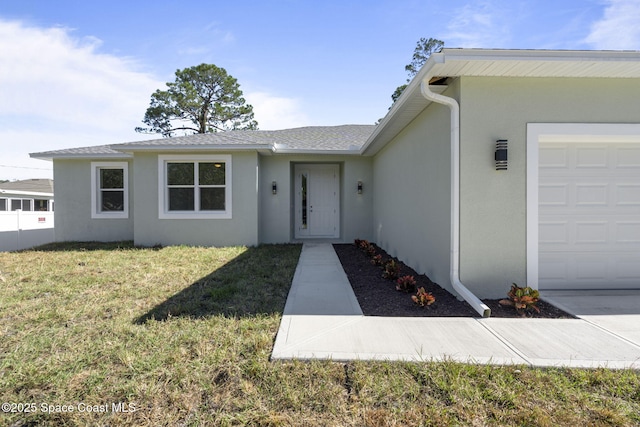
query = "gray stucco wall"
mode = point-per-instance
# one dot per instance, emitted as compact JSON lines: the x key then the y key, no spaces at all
{"x":493,"y":204}
{"x":276,"y":211}
{"x":72,"y":189}
{"x":241,"y":229}
{"x":412,"y":194}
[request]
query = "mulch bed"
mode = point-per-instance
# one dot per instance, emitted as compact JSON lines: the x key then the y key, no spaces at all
{"x":378,"y":296}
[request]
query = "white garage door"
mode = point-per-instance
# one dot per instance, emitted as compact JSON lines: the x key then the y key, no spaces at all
{"x":589,"y":216}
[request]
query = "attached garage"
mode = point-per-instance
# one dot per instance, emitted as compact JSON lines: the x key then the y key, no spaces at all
{"x":588,"y":206}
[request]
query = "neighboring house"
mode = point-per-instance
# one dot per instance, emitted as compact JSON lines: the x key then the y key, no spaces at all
{"x":26,"y":214}
{"x":562,"y":213}
{"x":26,"y":195}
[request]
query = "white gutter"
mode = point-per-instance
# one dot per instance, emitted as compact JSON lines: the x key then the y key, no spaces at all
{"x":454,"y":274}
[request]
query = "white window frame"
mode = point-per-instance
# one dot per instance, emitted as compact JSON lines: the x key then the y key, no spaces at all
{"x":96,"y":213}
{"x":163,"y":188}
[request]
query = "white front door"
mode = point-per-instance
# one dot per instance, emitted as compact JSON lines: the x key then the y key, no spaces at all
{"x":317,"y":196}
{"x":589,"y":215}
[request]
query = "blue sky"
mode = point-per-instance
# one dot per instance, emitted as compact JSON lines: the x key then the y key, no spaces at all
{"x":79,"y":73}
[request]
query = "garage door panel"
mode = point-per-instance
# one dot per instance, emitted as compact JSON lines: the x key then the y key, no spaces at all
{"x":590,"y":157}
{"x":627,"y":233}
{"x":553,"y":195}
{"x":627,"y":195}
{"x":627,"y":157}
{"x":627,"y":267}
{"x":589,"y":215}
{"x":592,"y":194}
{"x":590,"y":232}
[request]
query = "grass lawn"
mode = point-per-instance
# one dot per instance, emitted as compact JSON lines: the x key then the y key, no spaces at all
{"x":181,"y":336}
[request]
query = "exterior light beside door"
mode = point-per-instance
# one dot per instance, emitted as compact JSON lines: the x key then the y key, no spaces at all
{"x":359,"y":187}
{"x":501,"y":154}
{"x":274,"y":187}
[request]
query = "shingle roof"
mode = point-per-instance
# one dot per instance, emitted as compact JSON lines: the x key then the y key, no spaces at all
{"x":311,"y":138}
{"x":95,"y":151}
{"x":343,"y":137}
{"x":31,"y":185}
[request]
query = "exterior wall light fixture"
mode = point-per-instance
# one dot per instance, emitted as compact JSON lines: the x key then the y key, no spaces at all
{"x":501,"y":154}
{"x":274,"y":187}
{"x":359,"y":187}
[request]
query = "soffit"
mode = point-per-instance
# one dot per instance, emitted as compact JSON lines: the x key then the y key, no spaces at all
{"x":499,"y":63}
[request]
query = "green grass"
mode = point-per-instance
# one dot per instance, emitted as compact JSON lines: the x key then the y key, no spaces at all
{"x":184,"y":335}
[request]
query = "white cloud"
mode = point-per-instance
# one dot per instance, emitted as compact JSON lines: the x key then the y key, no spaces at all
{"x":59,"y":91}
{"x":274,"y":112}
{"x":478,"y":24}
{"x":619,"y":28}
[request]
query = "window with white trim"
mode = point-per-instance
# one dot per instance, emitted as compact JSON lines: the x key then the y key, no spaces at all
{"x":109,"y":190}
{"x":3,"y":204}
{"x":196,"y":187}
{"x":21,"y":204}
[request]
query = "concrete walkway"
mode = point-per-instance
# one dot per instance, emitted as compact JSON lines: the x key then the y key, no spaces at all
{"x":322,"y":320}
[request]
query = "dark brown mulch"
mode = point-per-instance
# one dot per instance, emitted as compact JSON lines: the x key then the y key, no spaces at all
{"x":379,"y":297}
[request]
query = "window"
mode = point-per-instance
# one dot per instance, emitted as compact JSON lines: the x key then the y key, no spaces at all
{"x":194,"y":186}
{"x":41,"y":205}
{"x":3,"y":204}
{"x":22,"y":204}
{"x":109,"y":190}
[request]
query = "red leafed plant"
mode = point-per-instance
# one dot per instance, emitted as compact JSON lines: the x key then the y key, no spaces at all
{"x":362,"y":244}
{"x":522,"y":299}
{"x":406,"y":284}
{"x":423,"y":298}
{"x":377,"y":260}
{"x":391,"y":270}
{"x":371,"y":250}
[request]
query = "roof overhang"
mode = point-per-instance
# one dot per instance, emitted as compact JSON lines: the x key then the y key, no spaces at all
{"x":72,"y":156}
{"x":26,"y":193}
{"x":499,"y":63}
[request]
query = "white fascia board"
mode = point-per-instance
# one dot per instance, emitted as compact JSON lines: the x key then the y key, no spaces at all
{"x":26,"y":193}
{"x":538,"y":55}
{"x":67,"y":156}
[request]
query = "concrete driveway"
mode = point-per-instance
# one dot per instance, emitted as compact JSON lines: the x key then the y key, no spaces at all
{"x":616,"y":312}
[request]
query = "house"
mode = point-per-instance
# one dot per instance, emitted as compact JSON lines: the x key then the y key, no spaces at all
{"x":27,"y":195}
{"x":26,"y":214}
{"x":493,"y":167}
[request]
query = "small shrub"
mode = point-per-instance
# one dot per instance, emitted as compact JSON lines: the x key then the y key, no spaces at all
{"x":522,"y":299}
{"x":363,"y":244}
{"x":391,"y":270}
{"x":423,"y":298}
{"x":406,"y":284}
{"x":371,"y":250}
{"x":377,"y":260}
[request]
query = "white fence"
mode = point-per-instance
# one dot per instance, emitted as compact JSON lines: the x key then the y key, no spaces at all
{"x":22,"y":230}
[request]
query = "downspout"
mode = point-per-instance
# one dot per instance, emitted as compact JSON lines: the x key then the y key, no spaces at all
{"x":454,"y":273}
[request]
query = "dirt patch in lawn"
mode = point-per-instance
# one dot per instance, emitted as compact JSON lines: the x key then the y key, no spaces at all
{"x":378,"y":296}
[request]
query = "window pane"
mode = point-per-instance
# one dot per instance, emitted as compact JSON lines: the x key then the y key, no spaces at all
{"x":180,"y":173}
{"x":112,"y":201}
{"x":212,"y":199}
{"x":41,"y":205}
{"x":111,"y":178}
{"x":16,"y":204}
{"x":181,"y":199}
{"x":26,"y":205}
{"x":211,"y":173}
{"x":3,"y":204}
